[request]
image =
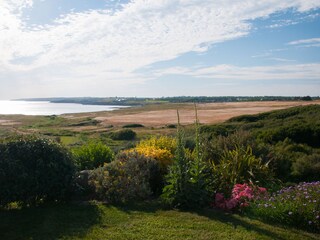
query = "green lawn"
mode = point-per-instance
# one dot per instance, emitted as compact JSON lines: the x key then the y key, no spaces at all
{"x":140,"y":221}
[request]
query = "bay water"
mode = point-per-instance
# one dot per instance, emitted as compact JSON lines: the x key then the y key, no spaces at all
{"x":48,"y":108}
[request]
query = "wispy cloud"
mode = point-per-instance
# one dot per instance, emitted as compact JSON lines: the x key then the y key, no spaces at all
{"x":311,"y":42}
{"x":224,"y":71}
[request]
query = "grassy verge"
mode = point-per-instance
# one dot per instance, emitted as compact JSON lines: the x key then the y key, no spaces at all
{"x":139,"y":221}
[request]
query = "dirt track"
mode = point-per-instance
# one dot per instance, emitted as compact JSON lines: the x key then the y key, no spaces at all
{"x":207,"y":113}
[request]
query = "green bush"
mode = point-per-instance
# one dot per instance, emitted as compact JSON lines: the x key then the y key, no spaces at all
{"x":307,"y":168}
{"x":125,"y":134}
{"x":239,"y":166}
{"x":130,"y":176}
{"x":295,"y":162}
{"x":92,"y":155}
{"x":298,"y":132}
{"x":34,"y":170}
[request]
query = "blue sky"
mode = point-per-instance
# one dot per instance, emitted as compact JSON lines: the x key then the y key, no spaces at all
{"x":154,"y":48}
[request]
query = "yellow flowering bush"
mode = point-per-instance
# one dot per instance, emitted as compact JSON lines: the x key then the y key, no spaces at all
{"x":161,"y":149}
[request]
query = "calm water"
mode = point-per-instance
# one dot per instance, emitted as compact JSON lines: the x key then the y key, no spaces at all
{"x":47,"y":108}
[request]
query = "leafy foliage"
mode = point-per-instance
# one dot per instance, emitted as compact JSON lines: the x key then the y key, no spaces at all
{"x":187,"y":184}
{"x":295,"y":162}
{"x":92,"y":155}
{"x":239,"y":166}
{"x":131,"y":176}
{"x":176,"y":190}
{"x":34,"y":170}
{"x":198,"y":174}
{"x":288,"y":139}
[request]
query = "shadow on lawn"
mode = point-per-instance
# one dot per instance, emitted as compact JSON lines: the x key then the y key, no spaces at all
{"x":236,"y":222}
{"x":48,"y":222}
{"x":233,"y":220}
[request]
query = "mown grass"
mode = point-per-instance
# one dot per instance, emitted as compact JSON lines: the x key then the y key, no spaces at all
{"x":135,"y":221}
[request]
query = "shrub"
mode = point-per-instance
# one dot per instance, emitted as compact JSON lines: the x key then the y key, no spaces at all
{"x":295,"y":162}
{"x":92,"y":155}
{"x":214,"y":149}
{"x":239,"y":166}
{"x":160,"y":149}
{"x":298,"y":206}
{"x":307,"y":167}
{"x":125,"y":134}
{"x":34,"y":170}
{"x":131,"y":176}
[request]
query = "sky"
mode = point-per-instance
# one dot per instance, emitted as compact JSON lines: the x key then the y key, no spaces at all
{"x":158,"y":48}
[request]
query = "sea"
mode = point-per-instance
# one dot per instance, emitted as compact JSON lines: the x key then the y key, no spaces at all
{"x":48,"y":108}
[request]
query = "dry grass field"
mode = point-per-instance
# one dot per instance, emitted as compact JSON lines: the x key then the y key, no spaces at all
{"x":208,"y":113}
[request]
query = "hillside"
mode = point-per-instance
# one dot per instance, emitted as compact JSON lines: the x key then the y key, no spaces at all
{"x":289,"y":139}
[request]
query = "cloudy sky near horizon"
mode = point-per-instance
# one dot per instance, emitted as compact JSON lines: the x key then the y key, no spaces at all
{"x":65,"y":48}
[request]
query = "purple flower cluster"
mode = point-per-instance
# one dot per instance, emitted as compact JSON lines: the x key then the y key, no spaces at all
{"x":297,"y":205}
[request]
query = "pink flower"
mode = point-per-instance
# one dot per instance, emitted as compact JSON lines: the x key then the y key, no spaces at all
{"x":241,"y":194}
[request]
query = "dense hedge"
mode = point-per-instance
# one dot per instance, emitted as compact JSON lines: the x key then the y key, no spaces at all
{"x":34,"y":170}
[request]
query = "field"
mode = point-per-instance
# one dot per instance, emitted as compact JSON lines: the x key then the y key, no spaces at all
{"x":156,"y":116}
{"x":135,"y":221}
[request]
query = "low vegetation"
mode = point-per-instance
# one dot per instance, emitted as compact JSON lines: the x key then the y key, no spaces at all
{"x":250,"y":165}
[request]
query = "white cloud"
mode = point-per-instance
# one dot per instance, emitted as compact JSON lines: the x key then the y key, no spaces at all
{"x":109,"y":47}
{"x":224,"y":71}
{"x":311,"y":42}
